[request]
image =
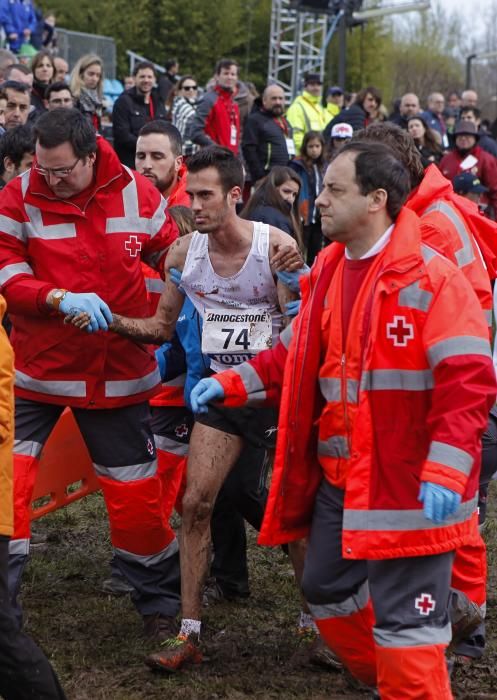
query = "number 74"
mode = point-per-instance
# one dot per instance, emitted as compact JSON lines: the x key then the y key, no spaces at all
{"x":242,"y":338}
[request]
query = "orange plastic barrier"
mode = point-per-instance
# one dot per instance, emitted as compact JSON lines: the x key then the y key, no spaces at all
{"x":66,"y":471}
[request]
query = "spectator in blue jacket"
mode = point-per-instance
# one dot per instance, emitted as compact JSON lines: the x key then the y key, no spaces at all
{"x":19,"y":21}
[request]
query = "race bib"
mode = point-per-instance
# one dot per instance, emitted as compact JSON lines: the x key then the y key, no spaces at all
{"x":246,"y":332}
{"x":290,"y":147}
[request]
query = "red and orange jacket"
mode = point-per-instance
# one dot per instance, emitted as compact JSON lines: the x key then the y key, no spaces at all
{"x":6,"y":429}
{"x":47,"y":242}
{"x":453,"y":225}
{"x":420,"y":408}
{"x":485,"y":169}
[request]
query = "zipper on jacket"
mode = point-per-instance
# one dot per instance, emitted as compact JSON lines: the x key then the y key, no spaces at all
{"x":343,"y":366}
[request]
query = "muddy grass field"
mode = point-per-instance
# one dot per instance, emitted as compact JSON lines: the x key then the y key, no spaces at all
{"x":95,"y":642}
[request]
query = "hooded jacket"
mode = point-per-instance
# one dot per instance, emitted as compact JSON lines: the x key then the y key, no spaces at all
{"x":217,"y":120}
{"x":48,"y":243}
{"x":421,"y":407}
{"x":306,"y":113}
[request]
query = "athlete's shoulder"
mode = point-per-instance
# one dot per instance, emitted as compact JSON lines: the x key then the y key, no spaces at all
{"x":179,"y":249}
{"x":279,"y":237}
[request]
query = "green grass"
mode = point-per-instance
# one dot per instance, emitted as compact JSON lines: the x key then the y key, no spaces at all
{"x":95,"y":641}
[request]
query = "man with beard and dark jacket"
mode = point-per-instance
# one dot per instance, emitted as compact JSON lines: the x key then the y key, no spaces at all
{"x":468,"y":156}
{"x":408,"y":107}
{"x":217,"y":120}
{"x":133,"y":109}
{"x":267,"y":137}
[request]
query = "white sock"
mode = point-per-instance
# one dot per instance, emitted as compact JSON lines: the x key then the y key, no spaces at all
{"x":306,"y":621}
{"x":190,"y":627}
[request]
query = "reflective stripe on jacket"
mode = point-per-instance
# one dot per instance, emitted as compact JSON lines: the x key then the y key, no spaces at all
{"x":46,"y":243}
{"x":453,"y":226}
{"x":6,"y":429}
{"x":422,"y":406}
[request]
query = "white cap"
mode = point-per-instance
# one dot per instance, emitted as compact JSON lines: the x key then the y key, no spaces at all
{"x":342,"y":131}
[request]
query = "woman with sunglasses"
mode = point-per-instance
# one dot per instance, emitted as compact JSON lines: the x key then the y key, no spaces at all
{"x":183,"y":109}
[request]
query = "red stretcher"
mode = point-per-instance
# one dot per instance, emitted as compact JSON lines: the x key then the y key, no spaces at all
{"x":66,"y":471}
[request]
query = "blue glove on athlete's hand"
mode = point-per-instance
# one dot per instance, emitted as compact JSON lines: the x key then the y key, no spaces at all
{"x":292,"y":307}
{"x":292,"y":279}
{"x":206,"y":390}
{"x":97,"y":310}
{"x":175,"y":277}
{"x":439,"y":502}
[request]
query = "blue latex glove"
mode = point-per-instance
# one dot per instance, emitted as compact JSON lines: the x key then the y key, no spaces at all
{"x":206,"y":390}
{"x":292,"y":279}
{"x":292,"y":307}
{"x":175,"y":277}
{"x":439,"y":502}
{"x":90,"y":303}
{"x":161,"y":360}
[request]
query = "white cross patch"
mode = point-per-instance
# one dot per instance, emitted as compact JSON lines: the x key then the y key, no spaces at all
{"x":133,"y":246}
{"x":425,"y":604}
{"x":399,"y":331}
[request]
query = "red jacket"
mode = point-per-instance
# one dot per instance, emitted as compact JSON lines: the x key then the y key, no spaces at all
{"x":179,"y":196}
{"x":217,"y":120}
{"x":46,"y":242}
{"x":454,"y":226}
{"x":421,"y":408}
{"x":485,"y":169}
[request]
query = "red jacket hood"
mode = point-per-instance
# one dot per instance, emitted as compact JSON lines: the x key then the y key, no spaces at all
{"x":433,"y":186}
{"x":108,"y":169}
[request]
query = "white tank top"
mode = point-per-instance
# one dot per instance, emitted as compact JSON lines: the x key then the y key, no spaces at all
{"x":230,"y":306}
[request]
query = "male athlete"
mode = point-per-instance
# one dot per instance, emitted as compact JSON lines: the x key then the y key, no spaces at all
{"x":229,"y":275}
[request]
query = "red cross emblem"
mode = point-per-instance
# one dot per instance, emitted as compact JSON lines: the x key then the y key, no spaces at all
{"x":400,"y":331}
{"x":133,"y":246}
{"x":425,"y":604}
{"x":181,"y":431}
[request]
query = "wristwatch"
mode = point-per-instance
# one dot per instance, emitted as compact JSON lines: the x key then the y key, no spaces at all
{"x":57,"y":297}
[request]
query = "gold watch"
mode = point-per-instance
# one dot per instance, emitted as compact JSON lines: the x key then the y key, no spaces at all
{"x":57,"y":297}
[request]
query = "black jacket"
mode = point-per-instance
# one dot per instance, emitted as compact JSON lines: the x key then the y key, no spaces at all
{"x":129,"y":114}
{"x":263,"y":143}
{"x":355,"y":115}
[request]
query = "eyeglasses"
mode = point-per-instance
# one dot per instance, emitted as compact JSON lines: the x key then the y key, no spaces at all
{"x":190,"y":87}
{"x":56,"y":172}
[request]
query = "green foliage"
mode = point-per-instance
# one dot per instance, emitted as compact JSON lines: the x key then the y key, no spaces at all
{"x":195,"y":32}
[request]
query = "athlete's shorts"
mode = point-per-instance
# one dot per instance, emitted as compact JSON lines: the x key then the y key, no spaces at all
{"x":258,"y":426}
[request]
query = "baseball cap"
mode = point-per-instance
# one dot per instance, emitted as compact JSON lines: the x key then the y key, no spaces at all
{"x":312,"y":78}
{"x":335,"y":90}
{"x":467,"y":182}
{"x":342,"y":131}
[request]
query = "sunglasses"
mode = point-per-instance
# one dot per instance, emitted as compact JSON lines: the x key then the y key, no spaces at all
{"x":190,"y":87}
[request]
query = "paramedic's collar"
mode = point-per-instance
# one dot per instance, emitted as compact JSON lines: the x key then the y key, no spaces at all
{"x":378,"y":246}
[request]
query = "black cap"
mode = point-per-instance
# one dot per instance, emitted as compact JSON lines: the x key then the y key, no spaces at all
{"x":312,"y":78}
{"x":335,"y":90}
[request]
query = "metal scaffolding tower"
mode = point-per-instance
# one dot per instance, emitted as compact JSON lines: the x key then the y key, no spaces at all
{"x":296,"y":46}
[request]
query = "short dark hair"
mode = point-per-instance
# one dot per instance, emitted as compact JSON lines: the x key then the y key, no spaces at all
{"x":468,"y":108}
{"x":161,"y":127}
{"x":16,"y":86}
{"x":14,"y":144}
{"x":170,"y":63}
{"x":142,"y":65}
{"x":66,"y":125}
{"x":57,"y":87}
{"x":225,"y":63}
{"x":376,"y":167}
{"x":400,"y":142}
{"x":228,"y":166}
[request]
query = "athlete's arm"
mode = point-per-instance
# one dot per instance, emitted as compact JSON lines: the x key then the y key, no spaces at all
{"x":283,"y":244}
{"x":284,"y":253}
{"x":160,"y":327}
